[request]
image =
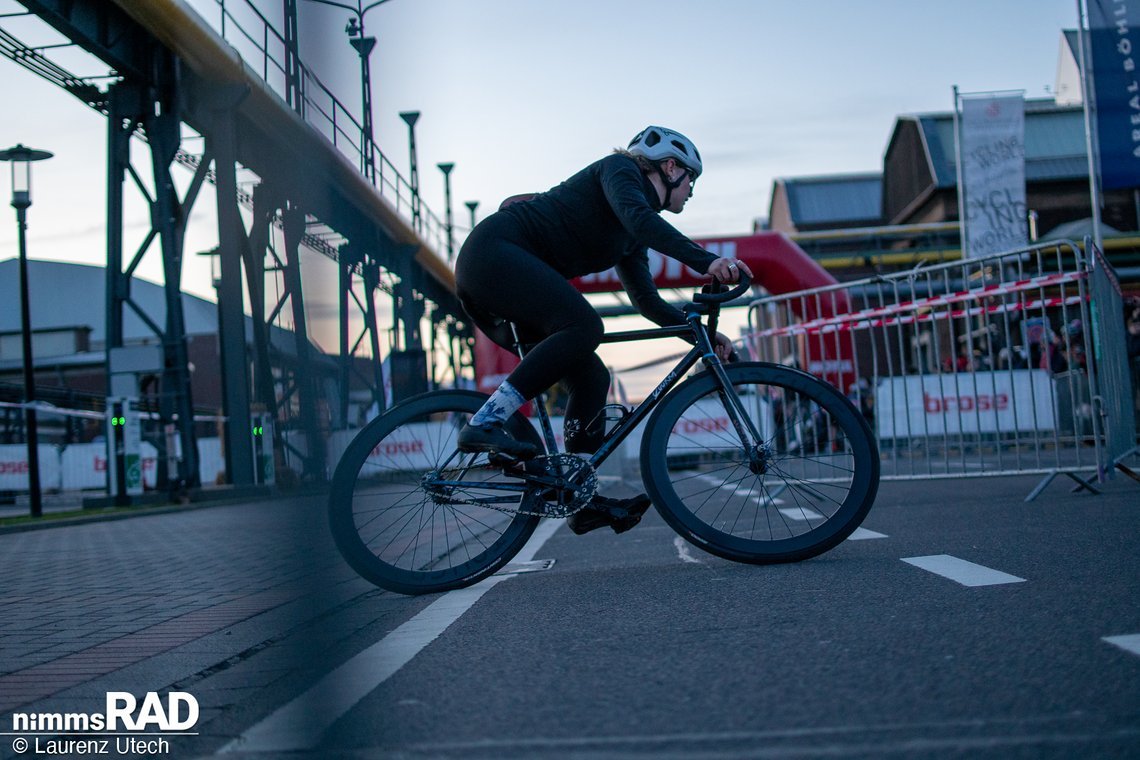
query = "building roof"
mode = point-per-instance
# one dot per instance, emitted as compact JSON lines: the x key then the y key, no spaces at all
{"x":1054,"y":142}
{"x":1078,"y":229}
{"x":834,"y":200}
{"x":65,"y":295}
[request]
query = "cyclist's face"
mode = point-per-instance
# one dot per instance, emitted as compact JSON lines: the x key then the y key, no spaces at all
{"x":684,"y":191}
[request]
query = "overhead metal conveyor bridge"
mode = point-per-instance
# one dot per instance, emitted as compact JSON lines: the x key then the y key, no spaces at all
{"x":321,"y":189}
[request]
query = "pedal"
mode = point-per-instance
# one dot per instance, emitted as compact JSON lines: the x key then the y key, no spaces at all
{"x":498,"y":459}
{"x":518,"y":467}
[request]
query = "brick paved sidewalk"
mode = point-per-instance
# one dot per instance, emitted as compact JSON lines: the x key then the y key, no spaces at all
{"x":87,"y":602}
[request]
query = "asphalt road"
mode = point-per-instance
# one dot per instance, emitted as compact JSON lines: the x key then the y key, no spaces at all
{"x":641,"y":646}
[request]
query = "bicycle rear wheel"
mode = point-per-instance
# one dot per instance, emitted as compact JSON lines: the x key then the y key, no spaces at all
{"x":398,"y":527}
{"x":802,"y":491}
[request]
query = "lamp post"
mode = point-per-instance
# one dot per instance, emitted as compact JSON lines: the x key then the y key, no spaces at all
{"x":21,"y":158}
{"x":410,"y":118}
{"x":363,"y":46}
{"x":446,"y":169}
{"x":471,"y":206}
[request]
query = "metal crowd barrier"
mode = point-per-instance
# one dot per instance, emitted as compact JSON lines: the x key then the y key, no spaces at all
{"x":1010,"y":364}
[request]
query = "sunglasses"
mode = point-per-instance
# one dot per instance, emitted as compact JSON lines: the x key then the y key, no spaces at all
{"x":692,"y":175}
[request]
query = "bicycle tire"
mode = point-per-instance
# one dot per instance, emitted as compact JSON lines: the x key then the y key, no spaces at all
{"x":391,"y":530}
{"x":697,"y":471}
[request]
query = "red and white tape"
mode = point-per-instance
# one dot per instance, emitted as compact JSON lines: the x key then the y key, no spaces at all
{"x":868,"y":318}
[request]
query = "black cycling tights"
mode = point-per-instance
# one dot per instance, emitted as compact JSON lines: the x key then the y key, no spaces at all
{"x":497,"y":276}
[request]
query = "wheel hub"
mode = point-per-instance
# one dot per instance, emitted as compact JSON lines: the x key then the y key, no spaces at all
{"x":759,"y":459}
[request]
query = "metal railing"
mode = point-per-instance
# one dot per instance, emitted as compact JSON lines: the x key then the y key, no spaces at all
{"x":264,"y":49}
{"x":979,"y":367}
{"x":1116,"y":398}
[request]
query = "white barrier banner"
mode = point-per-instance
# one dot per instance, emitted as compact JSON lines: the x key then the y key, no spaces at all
{"x":970,"y":402}
{"x":706,"y":427}
{"x":993,"y":173}
{"x":14,"y":467}
{"x":211,"y":462}
{"x":84,"y":466}
{"x":417,"y":446}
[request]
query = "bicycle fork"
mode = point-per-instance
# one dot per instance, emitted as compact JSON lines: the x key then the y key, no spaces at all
{"x":751,"y":439}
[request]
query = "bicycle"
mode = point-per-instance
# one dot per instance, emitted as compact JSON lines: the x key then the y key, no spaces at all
{"x":722,"y":458}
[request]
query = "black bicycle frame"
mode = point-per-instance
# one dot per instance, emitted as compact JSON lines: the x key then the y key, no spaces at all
{"x":703,"y":350}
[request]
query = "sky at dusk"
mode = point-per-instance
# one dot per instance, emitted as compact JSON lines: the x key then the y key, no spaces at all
{"x":520,"y":94}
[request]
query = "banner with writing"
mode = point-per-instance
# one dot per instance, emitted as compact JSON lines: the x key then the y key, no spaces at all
{"x":993,"y":173}
{"x":1114,"y":39}
{"x":916,"y":406}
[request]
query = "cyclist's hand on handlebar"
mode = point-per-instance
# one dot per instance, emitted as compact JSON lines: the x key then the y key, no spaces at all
{"x":728,"y":270}
{"x":724,"y":348}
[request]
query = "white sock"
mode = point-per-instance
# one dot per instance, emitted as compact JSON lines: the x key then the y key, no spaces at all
{"x":503,"y":403}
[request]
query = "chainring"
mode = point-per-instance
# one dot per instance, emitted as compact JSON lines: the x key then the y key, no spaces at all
{"x":571,"y":491}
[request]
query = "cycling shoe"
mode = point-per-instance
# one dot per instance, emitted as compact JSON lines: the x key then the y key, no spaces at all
{"x":619,"y":514}
{"x":493,"y":438}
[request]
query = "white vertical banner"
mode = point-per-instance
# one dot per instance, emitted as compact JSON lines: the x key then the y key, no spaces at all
{"x":993,"y":172}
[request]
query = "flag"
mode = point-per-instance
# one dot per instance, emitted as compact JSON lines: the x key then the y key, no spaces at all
{"x":1114,"y":41}
{"x":992,"y":136}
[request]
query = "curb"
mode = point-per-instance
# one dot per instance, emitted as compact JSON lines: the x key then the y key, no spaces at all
{"x":195,"y":502}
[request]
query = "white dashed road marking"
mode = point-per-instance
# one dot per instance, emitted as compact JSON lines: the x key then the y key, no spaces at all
{"x":1129,"y":643}
{"x":763,"y":499}
{"x":862,"y":534}
{"x":961,"y":571}
{"x":801,"y":513}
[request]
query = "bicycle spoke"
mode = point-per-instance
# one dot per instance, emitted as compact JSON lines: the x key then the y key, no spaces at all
{"x":802,"y":476}
{"x":412,"y":513}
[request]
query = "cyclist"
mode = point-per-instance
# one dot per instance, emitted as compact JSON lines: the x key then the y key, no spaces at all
{"x":515,"y":266}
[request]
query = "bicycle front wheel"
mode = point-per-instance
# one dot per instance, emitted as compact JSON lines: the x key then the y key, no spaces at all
{"x":799,"y":491}
{"x":412,"y":514}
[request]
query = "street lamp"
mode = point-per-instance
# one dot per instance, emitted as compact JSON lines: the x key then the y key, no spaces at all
{"x":363,"y":46}
{"x":471,"y":206}
{"x":410,"y":118}
{"x":446,"y":169}
{"x":21,"y":158}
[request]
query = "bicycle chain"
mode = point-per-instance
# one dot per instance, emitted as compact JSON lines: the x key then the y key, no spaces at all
{"x":574,"y":468}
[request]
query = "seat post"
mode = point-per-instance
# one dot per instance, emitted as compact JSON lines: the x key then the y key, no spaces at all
{"x":518,"y":343}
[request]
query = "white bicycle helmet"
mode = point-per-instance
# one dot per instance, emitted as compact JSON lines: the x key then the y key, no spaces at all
{"x":658,"y":144}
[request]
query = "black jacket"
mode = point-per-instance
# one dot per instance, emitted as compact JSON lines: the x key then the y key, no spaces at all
{"x":607,"y":216}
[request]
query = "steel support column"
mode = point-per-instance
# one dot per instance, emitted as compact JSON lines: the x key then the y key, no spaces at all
{"x":264,"y":387}
{"x":124,"y":115}
{"x":347,"y":261}
{"x":315,"y":459}
{"x":168,"y":219}
{"x":371,"y":289}
{"x":131,"y":105}
{"x":222,"y":142}
{"x":356,"y":267}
